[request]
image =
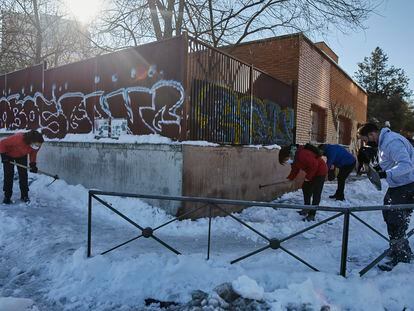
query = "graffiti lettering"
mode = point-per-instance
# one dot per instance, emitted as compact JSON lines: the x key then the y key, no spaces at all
{"x":236,"y":117}
{"x":37,"y":111}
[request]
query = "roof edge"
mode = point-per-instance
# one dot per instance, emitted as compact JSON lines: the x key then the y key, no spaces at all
{"x":302,"y":35}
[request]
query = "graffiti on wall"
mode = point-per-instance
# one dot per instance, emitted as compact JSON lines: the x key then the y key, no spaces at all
{"x":147,"y":87}
{"x":232,"y":117}
{"x":20,"y":111}
{"x":138,"y":84}
{"x":271,"y":123}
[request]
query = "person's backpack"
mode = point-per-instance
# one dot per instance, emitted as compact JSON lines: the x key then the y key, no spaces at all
{"x":318,"y":152}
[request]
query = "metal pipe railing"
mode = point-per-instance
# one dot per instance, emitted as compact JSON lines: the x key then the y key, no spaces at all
{"x":273,"y":243}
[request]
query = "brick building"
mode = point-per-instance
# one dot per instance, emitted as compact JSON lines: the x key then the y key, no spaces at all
{"x":329,"y":104}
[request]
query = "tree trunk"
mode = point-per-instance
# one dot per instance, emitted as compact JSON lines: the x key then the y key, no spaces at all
{"x":155,"y":20}
{"x":39,"y":39}
{"x":180,"y":16}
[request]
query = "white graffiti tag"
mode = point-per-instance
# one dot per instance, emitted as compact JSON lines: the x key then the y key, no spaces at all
{"x":19,"y":111}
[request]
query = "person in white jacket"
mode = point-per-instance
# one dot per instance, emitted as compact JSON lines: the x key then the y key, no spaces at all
{"x":396,"y":164}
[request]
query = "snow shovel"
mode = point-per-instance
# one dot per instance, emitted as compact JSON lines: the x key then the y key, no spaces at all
{"x":38,"y":172}
{"x":271,"y":184}
{"x":374,"y":177}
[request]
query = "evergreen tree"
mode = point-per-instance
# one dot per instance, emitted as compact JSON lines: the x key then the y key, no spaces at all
{"x":377,"y":77}
{"x":388,"y":92}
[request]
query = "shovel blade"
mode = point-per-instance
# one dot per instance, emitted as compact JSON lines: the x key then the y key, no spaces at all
{"x":374,"y":178}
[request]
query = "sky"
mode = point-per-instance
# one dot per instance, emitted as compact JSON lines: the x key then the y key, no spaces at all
{"x":391,"y":28}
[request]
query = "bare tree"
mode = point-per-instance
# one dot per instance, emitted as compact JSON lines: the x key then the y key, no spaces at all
{"x":125,"y":23}
{"x":233,"y":21}
{"x":133,"y":22}
{"x":34,"y":31}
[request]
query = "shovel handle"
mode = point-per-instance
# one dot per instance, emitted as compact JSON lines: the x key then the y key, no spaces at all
{"x":39,"y":171}
{"x":271,"y":184}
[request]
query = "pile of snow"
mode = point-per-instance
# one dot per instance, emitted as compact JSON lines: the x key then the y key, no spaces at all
{"x":144,"y":139}
{"x":43,"y":254}
{"x":248,"y":288}
{"x":123,"y":139}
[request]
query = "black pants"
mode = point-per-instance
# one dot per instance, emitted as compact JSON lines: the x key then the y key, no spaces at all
{"x":312,"y":190}
{"x":343,"y":174}
{"x":398,"y":220}
{"x":8,"y":170}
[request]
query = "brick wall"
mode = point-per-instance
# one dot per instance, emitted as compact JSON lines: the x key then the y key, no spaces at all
{"x":317,"y":79}
{"x":327,"y":50}
{"x":351,"y":100}
{"x":279,"y":58}
{"x":323,"y":83}
{"x":313,"y":89}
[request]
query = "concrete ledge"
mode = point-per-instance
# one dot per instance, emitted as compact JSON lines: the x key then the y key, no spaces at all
{"x":118,"y":167}
{"x":225,"y":172}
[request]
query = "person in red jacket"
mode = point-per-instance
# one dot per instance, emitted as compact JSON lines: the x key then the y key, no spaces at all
{"x":308,"y":159}
{"x":15,"y":148}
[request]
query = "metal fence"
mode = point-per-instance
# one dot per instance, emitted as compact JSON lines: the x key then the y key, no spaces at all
{"x":232,"y":102}
{"x":274,"y":243}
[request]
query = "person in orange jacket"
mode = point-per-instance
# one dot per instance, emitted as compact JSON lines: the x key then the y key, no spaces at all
{"x":307,"y":158}
{"x":15,"y":148}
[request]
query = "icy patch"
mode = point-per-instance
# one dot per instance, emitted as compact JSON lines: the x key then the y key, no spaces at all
{"x":17,"y":304}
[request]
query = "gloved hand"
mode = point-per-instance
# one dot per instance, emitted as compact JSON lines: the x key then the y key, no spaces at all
{"x":5,"y":158}
{"x":33,"y":167}
{"x":377,"y":168}
{"x":331,"y":175}
{"x":382,"y":174}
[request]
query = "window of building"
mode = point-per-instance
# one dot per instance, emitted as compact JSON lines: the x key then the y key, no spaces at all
{"x":344,"y":130}
{"x":318,"y":115}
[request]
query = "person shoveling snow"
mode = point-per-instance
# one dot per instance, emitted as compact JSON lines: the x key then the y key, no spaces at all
{"x":14,"y":149}
{"x":396,"y":163}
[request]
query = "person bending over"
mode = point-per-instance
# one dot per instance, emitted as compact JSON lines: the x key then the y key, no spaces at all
{"x":308,"y":159}
{"x":338,"y":156}
{"x":16,"y":148}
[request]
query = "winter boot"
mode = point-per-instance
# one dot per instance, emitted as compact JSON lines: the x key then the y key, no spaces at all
{"x":309,"y":217}
{"x":303,"y":212}
{"x":7,"y":200}
{"x":25,"y":199}
{"x":332,"y":196}
{"x":389,"y":265}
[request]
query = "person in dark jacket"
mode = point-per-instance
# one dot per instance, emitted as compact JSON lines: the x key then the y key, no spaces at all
{"x":15,"y":148}
{"x":308,"y":159}
{"x":338,"y":157}
{"x":396,"y":161}
{"x":366,"y":155}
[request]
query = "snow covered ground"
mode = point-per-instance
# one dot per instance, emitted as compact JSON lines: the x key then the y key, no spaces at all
{"x":43,"y":255}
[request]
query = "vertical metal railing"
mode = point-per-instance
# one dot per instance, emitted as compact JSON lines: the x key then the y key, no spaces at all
{"x":344,"y":249}
{"x":224,"y":98}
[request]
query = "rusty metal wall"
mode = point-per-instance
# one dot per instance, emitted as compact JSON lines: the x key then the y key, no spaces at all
{"x":233,"y":103}
{"x":233,"y":172}
{"x":179,"y":88}
{"x":145,"y":85}
{"x":19,"y":107}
